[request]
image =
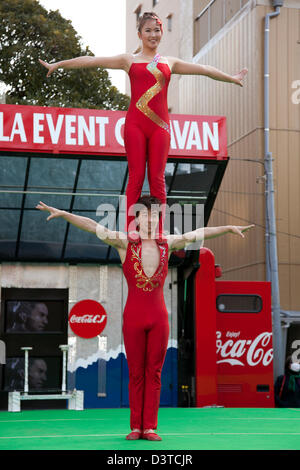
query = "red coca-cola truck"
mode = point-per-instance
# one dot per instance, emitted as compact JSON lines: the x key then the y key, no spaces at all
{"x":233,"y":339}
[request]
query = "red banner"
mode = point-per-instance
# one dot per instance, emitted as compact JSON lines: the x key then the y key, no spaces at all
{"x":100,"y":132}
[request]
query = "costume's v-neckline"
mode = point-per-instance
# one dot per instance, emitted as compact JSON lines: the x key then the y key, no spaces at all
{"x":142,"y":268}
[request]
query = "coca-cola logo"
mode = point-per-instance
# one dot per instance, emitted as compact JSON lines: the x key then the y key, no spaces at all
{"x":237,"y":351}
{"x":87,"y":318}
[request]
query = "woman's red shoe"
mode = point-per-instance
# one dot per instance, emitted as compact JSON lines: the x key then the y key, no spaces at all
{"x":150,"y":435}
{"x":134,"y":435}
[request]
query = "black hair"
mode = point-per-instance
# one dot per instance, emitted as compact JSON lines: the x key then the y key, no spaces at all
{"x":148,"y":201}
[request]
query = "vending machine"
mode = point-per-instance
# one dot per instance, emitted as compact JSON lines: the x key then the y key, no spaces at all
{"x":244,"y":344}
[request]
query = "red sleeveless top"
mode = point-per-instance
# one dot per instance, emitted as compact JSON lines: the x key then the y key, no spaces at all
{"x":149,"y":89}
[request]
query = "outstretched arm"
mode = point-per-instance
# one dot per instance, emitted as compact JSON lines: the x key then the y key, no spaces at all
{"x":187,"y":68}
{"x":121,"y":61}
{"x":178,"y":242}
{"x":114,"y":238}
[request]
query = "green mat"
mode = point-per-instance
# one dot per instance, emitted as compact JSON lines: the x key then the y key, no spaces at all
{"x":180,"y":429}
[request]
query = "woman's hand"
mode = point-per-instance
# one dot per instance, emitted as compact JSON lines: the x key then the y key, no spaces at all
{"x":239,"y":77}
{"x":239,"y":229}
{"x":53,"y":211}
{"x":51,"y":67}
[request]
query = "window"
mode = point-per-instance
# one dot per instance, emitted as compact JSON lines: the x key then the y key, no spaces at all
{"x":231,"y":7}
{"x":169,"y":19}
{"x":154,"y":2}
{"x":239,"y":303}
{"x":210,"y":17}
{"x":216,"y":16}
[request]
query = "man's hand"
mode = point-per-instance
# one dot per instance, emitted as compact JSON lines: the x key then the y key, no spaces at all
{"x":51,"y":67}
{"x":239,"y":229}
{"x":240,"y":76}
{"x":53,"y":211}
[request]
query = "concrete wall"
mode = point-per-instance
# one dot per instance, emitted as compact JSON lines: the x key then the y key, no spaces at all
{"x":105,"y":284}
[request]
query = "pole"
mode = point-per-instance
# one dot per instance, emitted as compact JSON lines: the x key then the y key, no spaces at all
{"x":64,"y":348}
{"x":271,"y":239}
{"x":26,"y":349}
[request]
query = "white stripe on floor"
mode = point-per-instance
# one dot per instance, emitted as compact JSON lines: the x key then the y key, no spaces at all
{"x":46,"y":420}
{"x":248,"y":419}
{"x":168,"y":434}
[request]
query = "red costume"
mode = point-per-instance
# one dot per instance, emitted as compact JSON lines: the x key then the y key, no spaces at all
{"x":146,"y":332}
{"x":147,"y":132}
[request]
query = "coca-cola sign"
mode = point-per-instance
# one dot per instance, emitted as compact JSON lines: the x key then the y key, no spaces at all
{"x":235,"y":350}
{"x":87,"y":318}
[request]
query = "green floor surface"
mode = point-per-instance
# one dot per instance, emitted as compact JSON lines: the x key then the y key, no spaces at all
{"x":180,"y":429}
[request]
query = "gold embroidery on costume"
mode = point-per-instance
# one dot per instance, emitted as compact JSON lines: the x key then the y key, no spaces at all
{"x":142,"y":103}
{"x":144,"y":282}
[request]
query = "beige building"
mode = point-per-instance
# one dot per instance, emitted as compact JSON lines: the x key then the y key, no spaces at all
{"x":229,"y":34}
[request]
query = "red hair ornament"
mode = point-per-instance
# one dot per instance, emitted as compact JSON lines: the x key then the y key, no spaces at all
{"x":160,"y":24}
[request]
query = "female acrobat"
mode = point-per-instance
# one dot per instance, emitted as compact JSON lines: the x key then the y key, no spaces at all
{"x":147,"y":131}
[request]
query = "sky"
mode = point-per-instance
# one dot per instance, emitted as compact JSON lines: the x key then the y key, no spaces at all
{"x":101,"y":25}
